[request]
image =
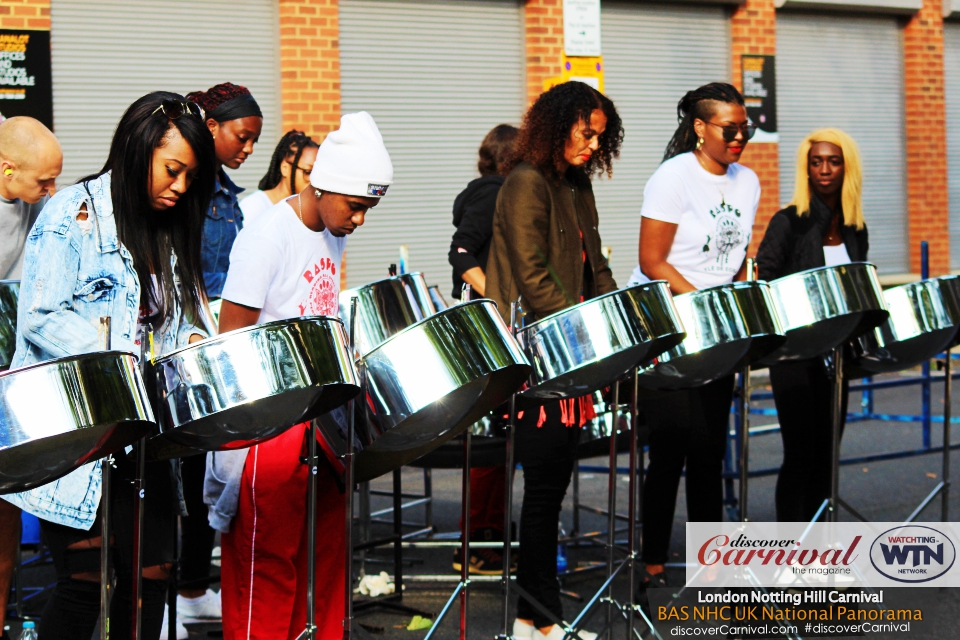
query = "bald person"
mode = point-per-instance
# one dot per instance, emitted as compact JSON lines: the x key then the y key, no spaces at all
{"x":30,"y":161}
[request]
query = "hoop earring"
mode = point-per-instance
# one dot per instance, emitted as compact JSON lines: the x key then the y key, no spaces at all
{"x":699,"y":143}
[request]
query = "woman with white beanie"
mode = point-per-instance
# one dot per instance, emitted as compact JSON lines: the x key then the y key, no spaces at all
{"x":286,"y":264}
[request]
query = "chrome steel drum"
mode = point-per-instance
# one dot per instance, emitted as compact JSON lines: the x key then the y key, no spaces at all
{"x":9,"y":294}
{"x":728,"y":327}
{"x":246,"y":386}
{"x":386,"y":307}
{"x":439,"y":302}
{"x":821,"y":309}
{"x":920,"y":326}
{"x":60,"y":414}
{"x":588,"y":346}
{"x":950,"y":290}
{"x":433,"y":380}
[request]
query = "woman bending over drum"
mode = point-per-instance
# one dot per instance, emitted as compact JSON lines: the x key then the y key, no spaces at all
{"x":123,"y":243}
{"x":822,"y":227}
{"x":695,"y":226}
{"x":546,"y":251}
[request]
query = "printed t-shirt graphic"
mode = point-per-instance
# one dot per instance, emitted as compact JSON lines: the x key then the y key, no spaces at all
{"x":323,"y":299}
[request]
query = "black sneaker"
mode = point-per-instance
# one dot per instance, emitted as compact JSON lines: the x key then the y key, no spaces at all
{"x":653,"y":581}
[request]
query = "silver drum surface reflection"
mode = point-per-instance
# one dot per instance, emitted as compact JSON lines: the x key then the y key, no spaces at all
{"x":728,"y":327}
{"x":920,"y":326}
{"x":386,"y":307}
{"x":246,"y":386}
{"x":430,"y":382}
{"x":823,"y":308}
{"x":60,"y":414}
{"x":9,"y":295}
{"x":590,"y":345}
{"x":950,"y":290}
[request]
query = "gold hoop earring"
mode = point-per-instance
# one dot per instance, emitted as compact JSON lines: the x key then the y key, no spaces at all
{"x":699,"y":144}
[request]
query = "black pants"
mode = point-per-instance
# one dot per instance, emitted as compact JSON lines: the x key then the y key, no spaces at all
{"x":72,"y":611}
{"x":547,"y":454}
{"x":687,"y":428}
{"x":197,"y":536}
{"x":803,"y":392}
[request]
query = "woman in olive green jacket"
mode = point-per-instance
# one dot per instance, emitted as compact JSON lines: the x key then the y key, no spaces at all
{"x":546,"y":252}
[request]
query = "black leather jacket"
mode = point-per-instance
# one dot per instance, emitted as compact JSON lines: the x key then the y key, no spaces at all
{"x":794,"y":243}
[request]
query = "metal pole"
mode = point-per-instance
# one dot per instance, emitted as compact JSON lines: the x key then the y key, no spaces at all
{"x":349,"y":482}
{"x":465,"y":534}
{"x":505,"y":631}
{"x":105,"y":577}
{"x":837,"y":421}
{"x":925,"y":368}
{"x":745,"y":420}
{"x":947,"y":410}
{"x":612,"y":500}
{"x":312,"y":464}
{"x":139,"y":485}
{"x":632,"y":508}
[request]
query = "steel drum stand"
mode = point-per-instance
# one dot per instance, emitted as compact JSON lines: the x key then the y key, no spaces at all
{"x":106,"y":580}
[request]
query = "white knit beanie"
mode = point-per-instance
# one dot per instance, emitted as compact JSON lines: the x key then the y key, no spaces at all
{"x":353,"y":160}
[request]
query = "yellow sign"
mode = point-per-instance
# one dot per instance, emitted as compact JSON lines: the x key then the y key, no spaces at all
{"x":588,"y":70}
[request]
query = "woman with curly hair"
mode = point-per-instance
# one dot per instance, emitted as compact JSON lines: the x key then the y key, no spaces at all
{"x":546,"y":253}
{"x":288,"y":173}
{"x":696,"y":219}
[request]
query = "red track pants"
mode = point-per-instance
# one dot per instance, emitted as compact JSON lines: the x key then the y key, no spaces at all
{"x":264,"y":557}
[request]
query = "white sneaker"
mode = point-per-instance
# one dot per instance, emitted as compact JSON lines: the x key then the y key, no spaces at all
{"x":522,"y":630}
{"x":206,"y":607}
{"x":182,"y":633}
{"x":556,"y":633}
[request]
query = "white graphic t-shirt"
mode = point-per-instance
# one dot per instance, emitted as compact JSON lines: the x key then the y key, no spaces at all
{"x":714,"y":216}
{"x":283,"y":268}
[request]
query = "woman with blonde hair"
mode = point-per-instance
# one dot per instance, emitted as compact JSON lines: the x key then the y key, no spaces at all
{"x":822,"y":226}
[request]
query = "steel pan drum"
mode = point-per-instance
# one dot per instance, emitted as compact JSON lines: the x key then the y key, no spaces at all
{"x":439,"y":302}
{"x":431,"y":381}
{"x":590,"y":345}
{"x":950,"y":290}
{"x":9,"y":294}
{"x":728,"y":327}
{"x":920,"y":326}
{"x":386,"y":307}
{"x":246,"y":386}
{"x":821,"y":309}
{"x":60,"y":414}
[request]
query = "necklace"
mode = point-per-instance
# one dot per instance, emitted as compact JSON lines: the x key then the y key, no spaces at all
{"x":299,"y":208}
{"x":723,"y":197}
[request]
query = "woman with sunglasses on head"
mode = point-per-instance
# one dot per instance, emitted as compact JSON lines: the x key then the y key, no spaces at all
{"x":235,"y":121}
{"x":822,"y":227}
{"x":696,"y":220}
{"x":288,"y":173}
{"x":123,"y":243}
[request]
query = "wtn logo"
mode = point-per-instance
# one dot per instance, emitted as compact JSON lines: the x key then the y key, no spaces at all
{"x":912,"y":554}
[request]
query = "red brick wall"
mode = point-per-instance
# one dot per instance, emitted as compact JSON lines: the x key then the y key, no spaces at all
{"x":927,"y":206}
{"x":25,"y":14}
{"x":543,"y":26}
{"x":753,"y":30}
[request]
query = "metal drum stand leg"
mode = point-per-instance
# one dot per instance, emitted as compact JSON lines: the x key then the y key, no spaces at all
{"x":506,"y":631}
{"x":744,"y":440}
{"x":105,"y":494}
{"x":349,"y":460}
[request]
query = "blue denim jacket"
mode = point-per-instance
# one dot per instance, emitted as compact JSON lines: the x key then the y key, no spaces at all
{"x":220,"y":228}
{"x":74,"y":272}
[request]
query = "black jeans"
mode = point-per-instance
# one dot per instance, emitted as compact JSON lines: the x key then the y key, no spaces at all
{"x":73,"y":608}
{"x":803,"y":392}
{"x":547,"y":454}
{"x":687,"y":428}
{"x":197,"y":536}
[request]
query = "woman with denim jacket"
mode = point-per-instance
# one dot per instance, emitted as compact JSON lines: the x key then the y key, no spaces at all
{"x":123,"y":243}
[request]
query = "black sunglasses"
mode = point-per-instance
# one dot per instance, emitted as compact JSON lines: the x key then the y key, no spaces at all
{"x":730,"y":130}
{"x":174,"y":109}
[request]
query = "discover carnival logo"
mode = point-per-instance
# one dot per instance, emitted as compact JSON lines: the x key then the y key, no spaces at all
{"x":913,"y":553}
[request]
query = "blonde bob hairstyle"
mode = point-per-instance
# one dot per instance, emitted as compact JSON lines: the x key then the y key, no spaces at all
{"x":850,"y":194}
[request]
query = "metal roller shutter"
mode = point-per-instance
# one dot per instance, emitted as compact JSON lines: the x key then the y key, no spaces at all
{"x":108,"y":53}
{"x":652,"y":56}
{"x":436,"y":76}
{"x":951,"y":60}
{"x":857,"y":87}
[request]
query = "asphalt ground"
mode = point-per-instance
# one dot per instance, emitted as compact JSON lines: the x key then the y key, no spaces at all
{"x":882,"y":491}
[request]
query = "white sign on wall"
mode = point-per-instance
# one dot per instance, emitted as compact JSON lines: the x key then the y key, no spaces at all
{"x":581,"y":27}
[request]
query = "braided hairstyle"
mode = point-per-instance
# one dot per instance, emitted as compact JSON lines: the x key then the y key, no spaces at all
{"x":699,"y":104}
{"x":290,"y":148}
{"x":217,"y":95}
{"x":547,"y":125}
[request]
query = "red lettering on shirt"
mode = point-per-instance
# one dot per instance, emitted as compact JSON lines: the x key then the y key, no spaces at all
{"x":308,"y":276}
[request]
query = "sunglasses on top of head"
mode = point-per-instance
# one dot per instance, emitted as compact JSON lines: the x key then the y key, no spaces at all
{"x":730,"y":130}
{"x":174,"y":109}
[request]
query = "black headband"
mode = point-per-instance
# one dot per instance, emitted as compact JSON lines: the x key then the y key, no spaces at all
{"x":240,"y":107}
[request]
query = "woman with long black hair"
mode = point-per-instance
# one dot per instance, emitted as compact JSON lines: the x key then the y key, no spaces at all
{"x":546,"y":249}
{"x":696,"y":220}
{"x":123,"y":243}
{"x":288,"y":173}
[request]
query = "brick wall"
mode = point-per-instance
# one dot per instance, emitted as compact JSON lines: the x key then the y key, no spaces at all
{"x":753,"y":30}
{"x":543,"y":27}
{"x":927,"y":205}
{"x":25,"y":14}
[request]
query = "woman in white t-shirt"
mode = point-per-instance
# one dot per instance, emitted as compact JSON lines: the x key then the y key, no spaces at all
{"x":696,"y":220}
{"x":288,"y":173}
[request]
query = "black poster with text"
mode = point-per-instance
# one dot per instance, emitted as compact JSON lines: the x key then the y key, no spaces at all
{"x":760,"y":95}
{"x":26,"y":83}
